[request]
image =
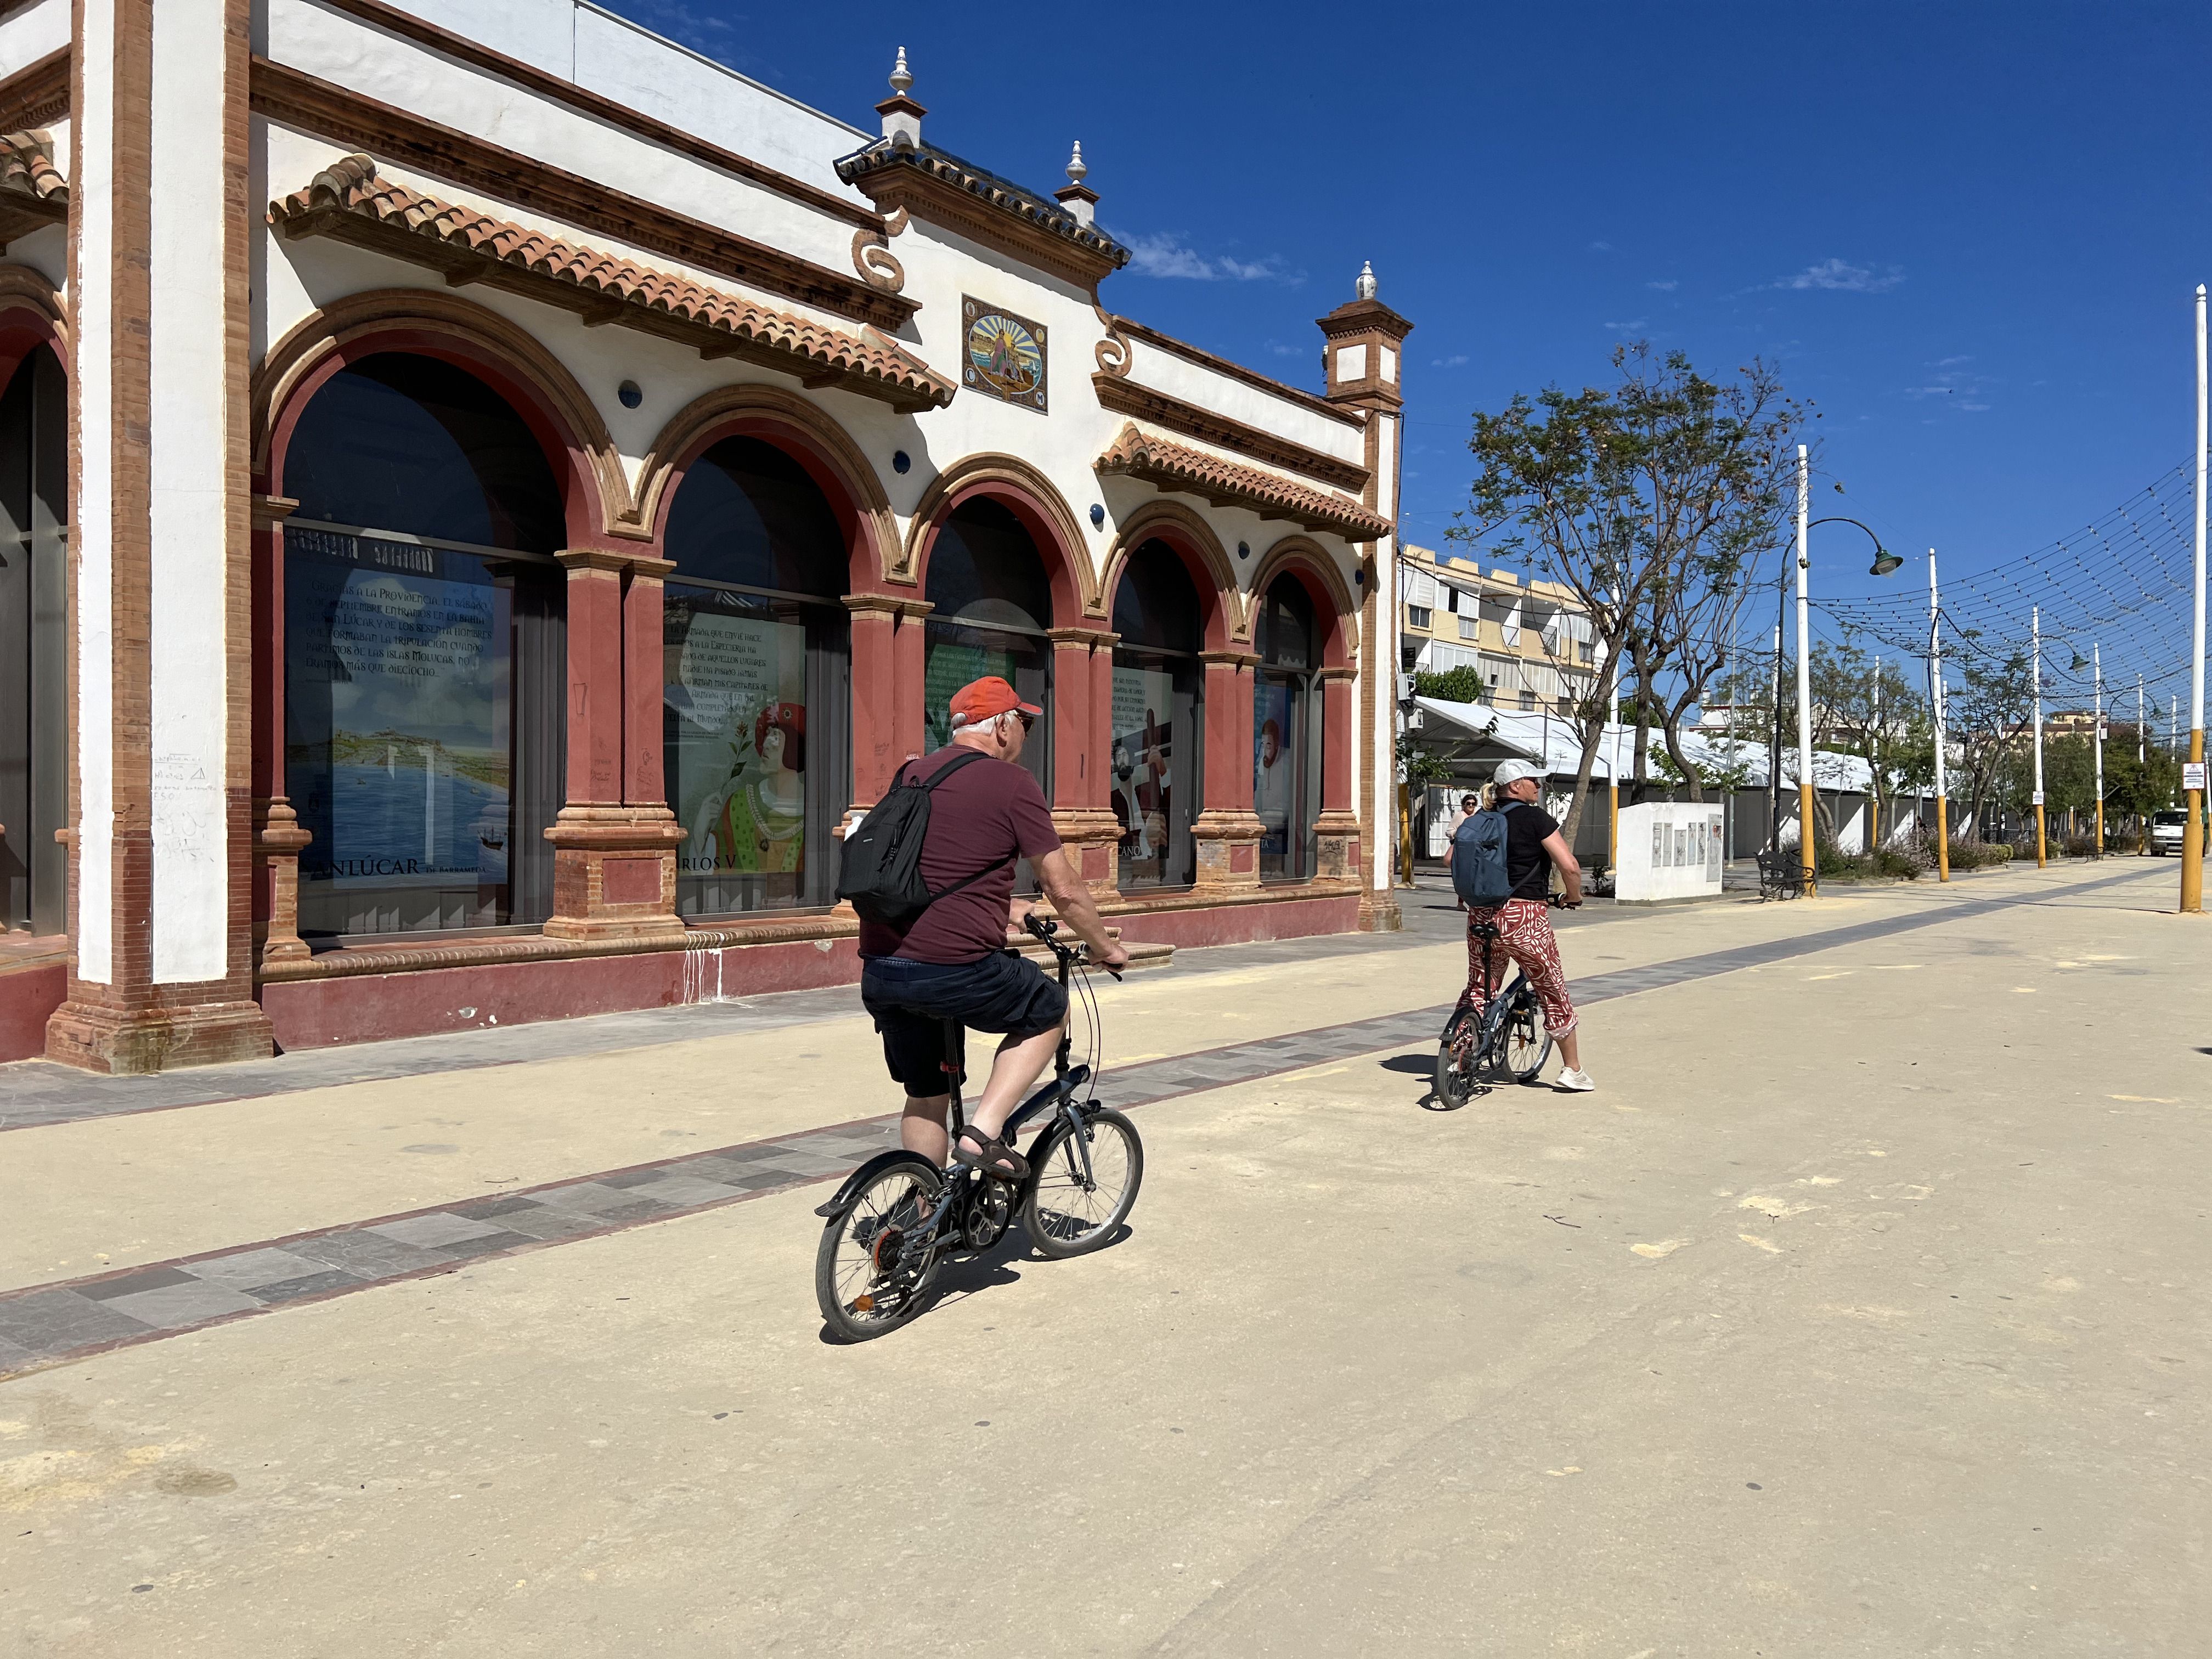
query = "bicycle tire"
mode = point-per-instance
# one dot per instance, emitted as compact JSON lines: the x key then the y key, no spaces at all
{"x":1522,"y":1035}
{"x":848,"y":1281}
{"x":1457,"y":1060}
{"x":1061,"y":1218}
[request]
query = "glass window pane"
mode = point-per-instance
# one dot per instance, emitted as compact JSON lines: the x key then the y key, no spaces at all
{"x":736,"y":749}
{"x":747,"y":512}
{"x":1154,"y":789}
{"x":1155,"y":602}
{"x":954,"y":656}
{"x":399,"y":746}
{"x":1281,"y":788}
{"x":984,"y":570}
{"x":411,"y":444}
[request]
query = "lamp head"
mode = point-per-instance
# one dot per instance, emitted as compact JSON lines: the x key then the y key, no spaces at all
{"x":1884,"y":561}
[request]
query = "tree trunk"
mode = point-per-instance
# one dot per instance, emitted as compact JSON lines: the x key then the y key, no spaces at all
{"x":1668,"y":731}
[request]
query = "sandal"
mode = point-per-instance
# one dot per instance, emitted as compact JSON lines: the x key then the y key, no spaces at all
{"x":992,"y":1155}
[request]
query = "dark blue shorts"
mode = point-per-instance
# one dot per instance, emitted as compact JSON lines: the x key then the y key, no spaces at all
{"x":911,"y":1001}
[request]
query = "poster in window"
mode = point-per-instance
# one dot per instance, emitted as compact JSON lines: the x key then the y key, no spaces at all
{"x":1275,"y":767}
{"x":1142,"y":781}
{"x":415,"y":668}
{"x":737,"y":687}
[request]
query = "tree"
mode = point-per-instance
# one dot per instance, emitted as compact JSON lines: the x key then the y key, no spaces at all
{"x":1988,"y":719}
{"x":1876,"y":714}
{"x":1632,"y":497}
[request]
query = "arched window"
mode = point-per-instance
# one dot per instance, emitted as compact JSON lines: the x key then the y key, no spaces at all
{"x":1156,"y":725}
{"x":33,"y":683}
{"x":1286,"y":733}
{"x":425,"y":653}
{"x":993,"y":605}
{"x":756,"y":665}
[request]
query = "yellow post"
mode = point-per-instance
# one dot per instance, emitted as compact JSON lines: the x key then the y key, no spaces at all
{"x":1809,"y":854}
{"x":1406,"y":833}
{"x":1942,"y":839}
{"x":1613,"y":831}
{"x":2041,"y":851}
{"x":2192,"y":835}
{"x":2100,"y":830}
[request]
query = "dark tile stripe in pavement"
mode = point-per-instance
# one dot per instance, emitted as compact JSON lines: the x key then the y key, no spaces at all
{"x":51,"y":1324}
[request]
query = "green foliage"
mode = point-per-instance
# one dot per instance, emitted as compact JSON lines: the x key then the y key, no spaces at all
{"x":1416,"y":766}
{"x":1460,"y":684}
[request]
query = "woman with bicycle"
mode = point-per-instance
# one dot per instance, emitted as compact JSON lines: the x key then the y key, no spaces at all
{"x":1533,"y":847}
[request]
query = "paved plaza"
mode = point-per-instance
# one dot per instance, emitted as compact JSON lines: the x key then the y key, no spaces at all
{"x":1857,"y":1313}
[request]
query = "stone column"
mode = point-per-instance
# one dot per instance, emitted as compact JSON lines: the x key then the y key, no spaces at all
{"x":278,"y":840}
{"x":1228,"y":831}
{"x":161,"y":821}
{"x":1336,"y":831}
{"x":1089,"y":831}
{"x":614,"y":858}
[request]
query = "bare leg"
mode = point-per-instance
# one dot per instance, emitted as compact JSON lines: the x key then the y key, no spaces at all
{"x":1571,"y":1051}
{"x":922,"y":1129}
{"x":1016,"y":1067}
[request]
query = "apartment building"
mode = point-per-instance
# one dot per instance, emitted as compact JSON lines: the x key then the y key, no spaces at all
{"x":1529,"y":642}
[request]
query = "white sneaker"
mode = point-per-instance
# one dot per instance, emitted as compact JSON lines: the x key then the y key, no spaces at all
{"x":1577,"y":1082}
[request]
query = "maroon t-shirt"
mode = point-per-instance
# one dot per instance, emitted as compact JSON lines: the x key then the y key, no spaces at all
{"x":981,"y":816}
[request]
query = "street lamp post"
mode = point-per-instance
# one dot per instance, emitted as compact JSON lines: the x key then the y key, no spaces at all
{"x":2035,"y":635}
{"x":1935,"y":704}
{"x":1807,"y":855}
{"x":2097,"y":662}
{"x":2192,"y":835}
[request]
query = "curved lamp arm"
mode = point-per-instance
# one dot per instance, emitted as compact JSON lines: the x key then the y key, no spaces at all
{"x":1884,"y":560}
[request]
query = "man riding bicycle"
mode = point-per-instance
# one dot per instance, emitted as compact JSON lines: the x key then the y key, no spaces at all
{"x":1534,"y":846}
{"x":950,"y":961}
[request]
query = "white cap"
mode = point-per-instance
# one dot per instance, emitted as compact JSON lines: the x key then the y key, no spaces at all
{"x":1513,"y":771}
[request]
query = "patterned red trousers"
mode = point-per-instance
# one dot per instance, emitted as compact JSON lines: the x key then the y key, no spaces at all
{"x":1525,"y":936}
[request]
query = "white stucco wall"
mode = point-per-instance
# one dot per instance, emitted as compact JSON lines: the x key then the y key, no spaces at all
{"x":94,"y":187}
{"x":1668,"y":850}
{"x":39,"y":30}
{"x":189,"y":432}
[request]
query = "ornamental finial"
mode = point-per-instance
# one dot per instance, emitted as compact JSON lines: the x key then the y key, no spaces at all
{"x":901,"y":77}
{"x":1076,"y":170}
{"x":1364,"y":288}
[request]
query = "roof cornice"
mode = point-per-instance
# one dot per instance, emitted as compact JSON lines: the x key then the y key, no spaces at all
{"x":1120,"y":395}
{"x":348,"y":202}
{"x":959,"y":197}
{"x":1169,"y":465}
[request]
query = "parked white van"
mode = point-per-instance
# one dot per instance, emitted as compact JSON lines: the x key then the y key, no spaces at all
{"x":2165,"y":829}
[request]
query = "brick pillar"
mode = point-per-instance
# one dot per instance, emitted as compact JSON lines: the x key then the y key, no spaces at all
{"x":614,"y":858}
{"x":1079,"y":755}
{"x":876,"y":751}
{"x":1336,"y":831}
{"x":160,"y":818}
{"x":1228,"y":831}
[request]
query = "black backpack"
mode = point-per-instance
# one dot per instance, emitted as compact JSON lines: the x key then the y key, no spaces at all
{"x":879,"y":870}
{"x":1477,"y":864}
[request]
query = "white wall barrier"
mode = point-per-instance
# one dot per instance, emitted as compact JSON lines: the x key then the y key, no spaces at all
{"x":1668,"y":850}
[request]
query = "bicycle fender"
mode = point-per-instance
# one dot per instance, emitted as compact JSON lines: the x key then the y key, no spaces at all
{"x":849,"y":1192}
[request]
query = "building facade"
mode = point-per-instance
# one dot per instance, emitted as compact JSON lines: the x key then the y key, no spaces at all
{"x":1530,"y":643}
{"x":499,"y":493}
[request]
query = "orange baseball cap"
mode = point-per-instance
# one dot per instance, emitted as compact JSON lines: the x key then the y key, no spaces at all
{"x":979,"y":699}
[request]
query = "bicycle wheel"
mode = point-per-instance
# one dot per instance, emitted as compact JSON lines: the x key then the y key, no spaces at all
{"x":1524,"y":1042}
{"x":1066,"y":1215}
{"x":863,"y":1290}
{"x":1458,"y":1059}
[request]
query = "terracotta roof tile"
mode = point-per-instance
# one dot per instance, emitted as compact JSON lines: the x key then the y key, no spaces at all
{"x":346,"y":200}
{"x":1042,"y":212}
{"x":1171,"y":465}
{"x":33,"y":193}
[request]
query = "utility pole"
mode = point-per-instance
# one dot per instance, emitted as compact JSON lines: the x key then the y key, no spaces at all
{"x":2097,"y":660}
{"x":1806,"y":851}
{"x":1774,"y":738}
{"x":1936,"y":703}
{"x":2193,"y":836}
{"x":2035,"y":625}
{"x":1874,"y":768}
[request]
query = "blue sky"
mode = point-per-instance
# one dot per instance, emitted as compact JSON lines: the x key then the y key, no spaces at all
{"x":1969,"y":232}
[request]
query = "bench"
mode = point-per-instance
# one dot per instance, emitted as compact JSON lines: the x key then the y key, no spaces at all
{"x":1782,"y":876}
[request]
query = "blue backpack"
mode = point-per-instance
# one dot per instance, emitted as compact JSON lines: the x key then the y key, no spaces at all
{"x":1477,"y":862}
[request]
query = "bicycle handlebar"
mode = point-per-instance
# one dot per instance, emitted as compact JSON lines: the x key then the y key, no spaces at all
{"x":1043,"y":928}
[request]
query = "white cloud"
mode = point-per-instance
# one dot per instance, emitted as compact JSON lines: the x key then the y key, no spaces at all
{"x":1600,"y":247}
{"x":1626,"y":328}
{"x":1448,"y":362}
{"x":1163,"y":254}
{"x":1835,"y":274}
{"x":1668,"y":287}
